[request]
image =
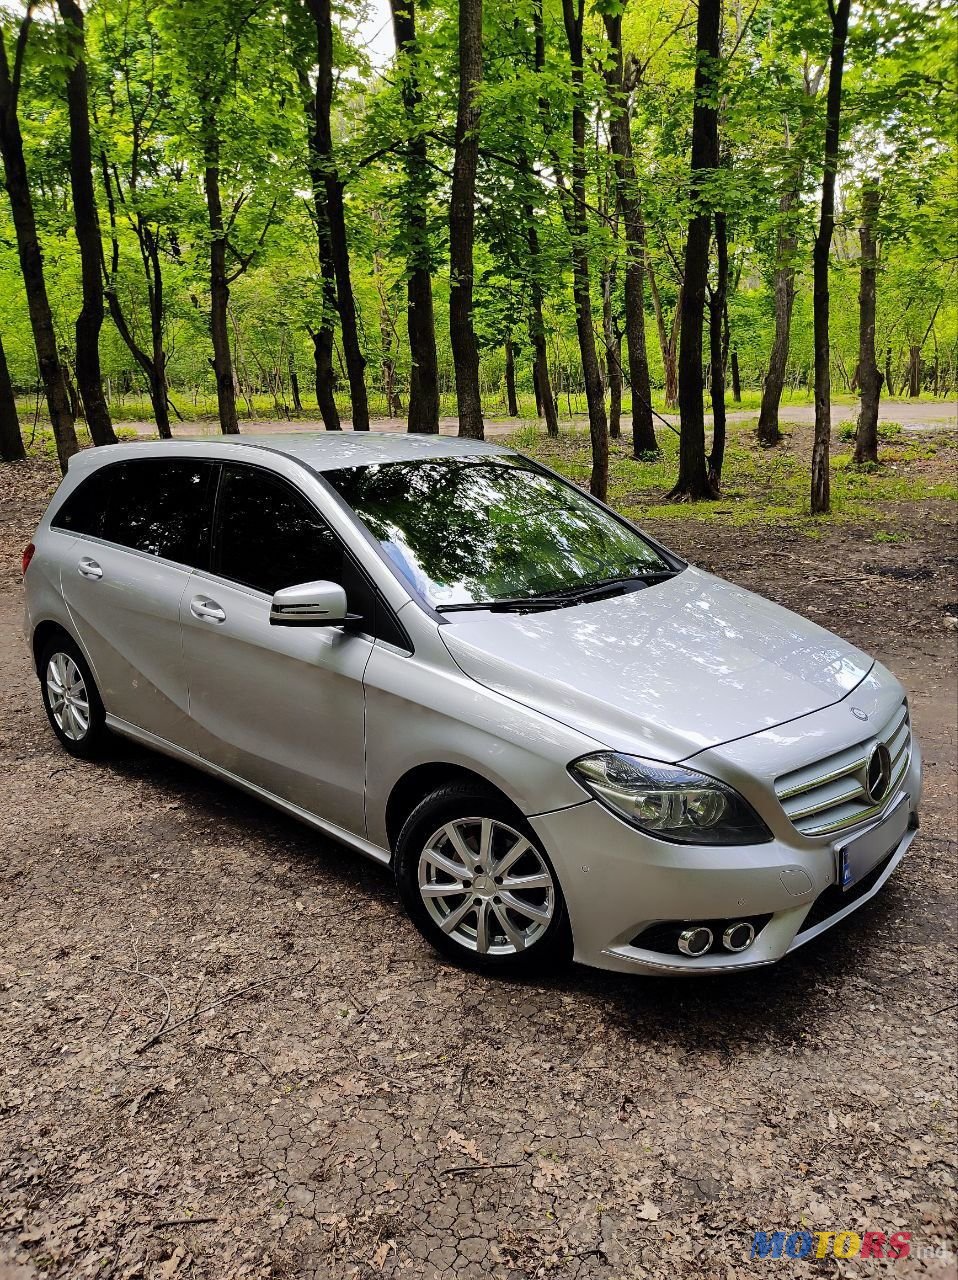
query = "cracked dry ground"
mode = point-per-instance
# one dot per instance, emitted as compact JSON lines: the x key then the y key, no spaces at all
{"x":362,"y":1109}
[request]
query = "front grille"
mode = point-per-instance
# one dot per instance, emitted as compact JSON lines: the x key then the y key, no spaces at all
{"x":830,"y":794}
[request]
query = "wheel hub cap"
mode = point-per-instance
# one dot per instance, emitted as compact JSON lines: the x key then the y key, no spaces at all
{"x":486,"y":886}
{"x":69,"y":700}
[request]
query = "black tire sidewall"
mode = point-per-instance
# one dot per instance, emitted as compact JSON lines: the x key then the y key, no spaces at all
{"x":553,"y":950}
{"x":92,"y":742}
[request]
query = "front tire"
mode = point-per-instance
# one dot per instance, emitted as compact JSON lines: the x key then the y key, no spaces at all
{"x":478,"y":885}
{"x":71,"y":699}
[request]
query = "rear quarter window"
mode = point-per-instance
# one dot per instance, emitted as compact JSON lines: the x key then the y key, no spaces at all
{"x":85,"y":508}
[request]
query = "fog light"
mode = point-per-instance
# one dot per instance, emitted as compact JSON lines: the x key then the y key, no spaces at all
{"x":737,"y":937}
{"x":695,"y":942}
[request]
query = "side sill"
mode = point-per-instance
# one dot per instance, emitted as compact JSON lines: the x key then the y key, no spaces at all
{"x":365,"y":847}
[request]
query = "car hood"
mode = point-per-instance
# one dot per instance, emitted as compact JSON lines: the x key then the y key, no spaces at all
{"x":662,"y":672}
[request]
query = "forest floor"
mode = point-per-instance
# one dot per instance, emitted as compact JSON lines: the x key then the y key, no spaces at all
{"x":328,"y":1099}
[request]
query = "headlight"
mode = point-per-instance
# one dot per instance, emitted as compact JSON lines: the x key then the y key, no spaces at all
{"x":670,"y":801}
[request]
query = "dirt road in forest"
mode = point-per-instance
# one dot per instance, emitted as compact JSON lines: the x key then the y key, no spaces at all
{"x":917,"y":416}
{"x":327,"y":1099}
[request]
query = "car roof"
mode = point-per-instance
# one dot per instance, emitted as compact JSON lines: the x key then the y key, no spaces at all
{"x":320,"y":450}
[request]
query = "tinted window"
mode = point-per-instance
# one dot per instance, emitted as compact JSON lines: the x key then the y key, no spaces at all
{"x":464,"y":529}
{"x":269,"y":537}
{"x":85,"y":508}
{"x":160,"y":506}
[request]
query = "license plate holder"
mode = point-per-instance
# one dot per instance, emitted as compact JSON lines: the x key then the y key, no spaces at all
{"x":863,"y":854}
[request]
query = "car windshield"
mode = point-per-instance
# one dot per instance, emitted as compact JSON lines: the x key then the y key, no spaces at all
{"x":468,"y":530}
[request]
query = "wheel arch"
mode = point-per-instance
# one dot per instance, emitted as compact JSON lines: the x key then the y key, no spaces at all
{"x":43,"y":633}
{"x":420,"y":781}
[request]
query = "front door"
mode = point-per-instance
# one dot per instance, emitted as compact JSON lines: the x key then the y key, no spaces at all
{"x":280,"y":707}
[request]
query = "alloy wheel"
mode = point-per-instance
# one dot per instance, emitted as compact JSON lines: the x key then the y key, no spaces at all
{"x":69,"y":699}
{"x":486,"y":886}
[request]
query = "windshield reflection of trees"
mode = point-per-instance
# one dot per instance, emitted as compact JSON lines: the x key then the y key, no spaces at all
{"x":464,"y":529}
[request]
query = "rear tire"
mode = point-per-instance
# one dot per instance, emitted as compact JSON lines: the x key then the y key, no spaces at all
{"x":71,"y":698}
{"x":478,"y":884}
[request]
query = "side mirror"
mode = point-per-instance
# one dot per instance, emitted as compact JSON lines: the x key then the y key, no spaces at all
{"x":311,"y":604}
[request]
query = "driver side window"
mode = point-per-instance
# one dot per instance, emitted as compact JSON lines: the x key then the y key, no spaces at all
{"x":268,"y":537}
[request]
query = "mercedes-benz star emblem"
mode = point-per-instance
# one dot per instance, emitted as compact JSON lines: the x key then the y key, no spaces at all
{"x":857,"y":711}
{"x":878,"y":773}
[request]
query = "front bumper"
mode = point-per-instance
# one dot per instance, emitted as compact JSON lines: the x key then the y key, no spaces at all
{"x":617,"y":882}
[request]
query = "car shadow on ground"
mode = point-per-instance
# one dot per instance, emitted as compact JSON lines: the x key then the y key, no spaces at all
{"x":804,"y":1000}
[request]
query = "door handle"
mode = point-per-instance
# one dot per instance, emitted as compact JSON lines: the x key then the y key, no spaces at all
{"x":207,"y":610}
{"x":89,"y":568}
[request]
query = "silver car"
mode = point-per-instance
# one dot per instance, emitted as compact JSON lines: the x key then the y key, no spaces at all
{"x":562,"y":738}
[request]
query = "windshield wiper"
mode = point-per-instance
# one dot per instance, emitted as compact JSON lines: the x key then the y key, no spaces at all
{"x":563,"y":599}
{"x":588,"y":590}
{"x":508,"y":604}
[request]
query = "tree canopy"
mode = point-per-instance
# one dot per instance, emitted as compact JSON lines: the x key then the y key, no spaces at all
{"x":545,"y":206}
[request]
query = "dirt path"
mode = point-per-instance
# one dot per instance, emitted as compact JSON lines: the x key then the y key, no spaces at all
{"x":913,"y":416}
{"x":360,"y":1109}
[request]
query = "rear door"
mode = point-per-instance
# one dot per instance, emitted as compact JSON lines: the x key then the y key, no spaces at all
{"x":141,"y":526}
{"x":280,"y":707}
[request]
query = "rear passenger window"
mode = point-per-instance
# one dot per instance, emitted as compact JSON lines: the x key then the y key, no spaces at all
{"x":161,"y":506}
{"x":268,"y":537}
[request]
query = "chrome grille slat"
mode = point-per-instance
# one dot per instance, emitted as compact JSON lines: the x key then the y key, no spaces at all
{"x":816,"y":779}
{"x":827,"y":796}
{"x":821,"y":798}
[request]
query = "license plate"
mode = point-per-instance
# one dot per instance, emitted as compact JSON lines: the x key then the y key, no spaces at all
{"x":863,"y":854}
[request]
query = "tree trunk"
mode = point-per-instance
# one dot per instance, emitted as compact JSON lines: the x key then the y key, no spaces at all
{"x":294,"y":384}
{"x":693,"y":480}
{"x":512,"y":402}
{"x":324,"y":337}
{"x":87,"y":227}
{"x":153,"y":366}
{"x":28,"y":249}
{"x":159,"y":387}
{"x":821,"y":480}
{"x":889,"y":381}
{"x":736,"y":381}
{"x":783,"y":287}
{"x":326,"y":377}
{"x":914,"y":371}
{"x":668,"y":342}
{"x":542,"y":382}
{"x":573,"y":13}
{"x":11,"y":442}
{"x":387,"y":334}
{"x":612,"y":341}
{"x":424,"y":376}
{"x":328,"y":189}
{"x":620,"y":135}
{"x":541,"y":379}
{"x":76,"y":409}
{"x":869,"y":374}
{"x":219,"y":288}
{"x":717,"y":311}
{"x":615,"y":387}
{"x":462,"y":218}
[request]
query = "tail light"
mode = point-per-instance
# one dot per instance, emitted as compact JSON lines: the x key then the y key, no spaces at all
{"x":28,"y":551}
